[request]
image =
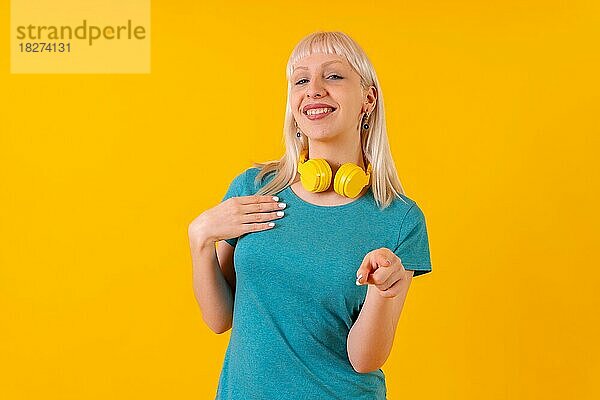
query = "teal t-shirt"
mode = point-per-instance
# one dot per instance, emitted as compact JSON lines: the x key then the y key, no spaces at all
{"x":296,"y":297}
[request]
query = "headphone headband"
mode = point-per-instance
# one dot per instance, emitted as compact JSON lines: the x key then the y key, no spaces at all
{"x":304,"y":156}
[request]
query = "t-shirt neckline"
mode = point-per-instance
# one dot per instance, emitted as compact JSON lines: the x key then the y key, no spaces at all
{"x":354,"y":203}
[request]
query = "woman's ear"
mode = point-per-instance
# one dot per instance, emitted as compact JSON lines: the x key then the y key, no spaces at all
{"x":371,"y":98}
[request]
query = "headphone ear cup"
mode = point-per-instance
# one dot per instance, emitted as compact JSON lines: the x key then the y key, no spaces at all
{"x":350,"y":180}
{"x":316,"y":175}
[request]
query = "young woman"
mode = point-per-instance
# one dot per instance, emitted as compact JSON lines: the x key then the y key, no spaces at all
{"x":318,"y":249}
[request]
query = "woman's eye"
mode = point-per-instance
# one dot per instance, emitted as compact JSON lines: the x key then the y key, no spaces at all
{"x":339,"y":77}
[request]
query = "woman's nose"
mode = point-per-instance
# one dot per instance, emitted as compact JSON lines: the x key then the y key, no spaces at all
{"x":315,"y":89}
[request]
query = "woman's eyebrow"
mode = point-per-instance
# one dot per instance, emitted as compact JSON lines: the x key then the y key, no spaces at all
{"x":322,"y":65}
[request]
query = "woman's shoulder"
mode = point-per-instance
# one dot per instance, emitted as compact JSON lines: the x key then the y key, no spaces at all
{"x":401,"y":205}
{"x":404,"y":200}
{"x":249,"y":179}
{"x":409,"y":208}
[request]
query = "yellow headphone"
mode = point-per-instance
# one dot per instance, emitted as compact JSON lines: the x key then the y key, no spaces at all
{"x":315,"y":175}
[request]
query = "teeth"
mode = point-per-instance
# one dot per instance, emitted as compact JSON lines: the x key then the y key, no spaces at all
{"x":314,"y":111}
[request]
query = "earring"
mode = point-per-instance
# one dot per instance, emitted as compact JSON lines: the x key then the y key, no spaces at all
{"x":366,"y":125}
{"x":297,"y":133}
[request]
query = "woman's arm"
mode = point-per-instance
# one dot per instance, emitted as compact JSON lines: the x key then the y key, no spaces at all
{"x":372,"y":335}
{"x":213,"y":293}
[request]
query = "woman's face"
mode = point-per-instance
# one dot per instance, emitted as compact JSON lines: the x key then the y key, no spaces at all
{"x":330,"y":80}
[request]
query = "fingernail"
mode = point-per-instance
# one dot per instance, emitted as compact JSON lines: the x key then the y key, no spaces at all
{"x":358,"y":280}
{"x":275,"y":198}
{"x":280,"y":213}
{"x":282,"y":205}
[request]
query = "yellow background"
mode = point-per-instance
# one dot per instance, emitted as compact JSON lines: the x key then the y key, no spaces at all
{"x":492,"y":112}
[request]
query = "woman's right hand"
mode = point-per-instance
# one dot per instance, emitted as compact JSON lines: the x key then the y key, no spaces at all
{"x":234,"y":217}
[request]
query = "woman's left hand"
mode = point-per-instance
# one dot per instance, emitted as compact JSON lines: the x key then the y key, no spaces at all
{"x":383,"y":269}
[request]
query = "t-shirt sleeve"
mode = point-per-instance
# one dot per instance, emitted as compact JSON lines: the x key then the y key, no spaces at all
{"x":413,"y":242}
{"x":236,"y":189}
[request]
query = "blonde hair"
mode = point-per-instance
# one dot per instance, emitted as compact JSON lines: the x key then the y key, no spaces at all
{"x":385,"y":183}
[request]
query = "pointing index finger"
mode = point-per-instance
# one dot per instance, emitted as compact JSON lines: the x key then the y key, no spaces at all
{"x":363,"y":271}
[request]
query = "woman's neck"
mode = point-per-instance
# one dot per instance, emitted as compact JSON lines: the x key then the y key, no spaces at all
{"x":336,"y":156}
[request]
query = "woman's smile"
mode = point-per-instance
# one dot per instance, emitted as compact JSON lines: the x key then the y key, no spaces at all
{"x":319,"y":113}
